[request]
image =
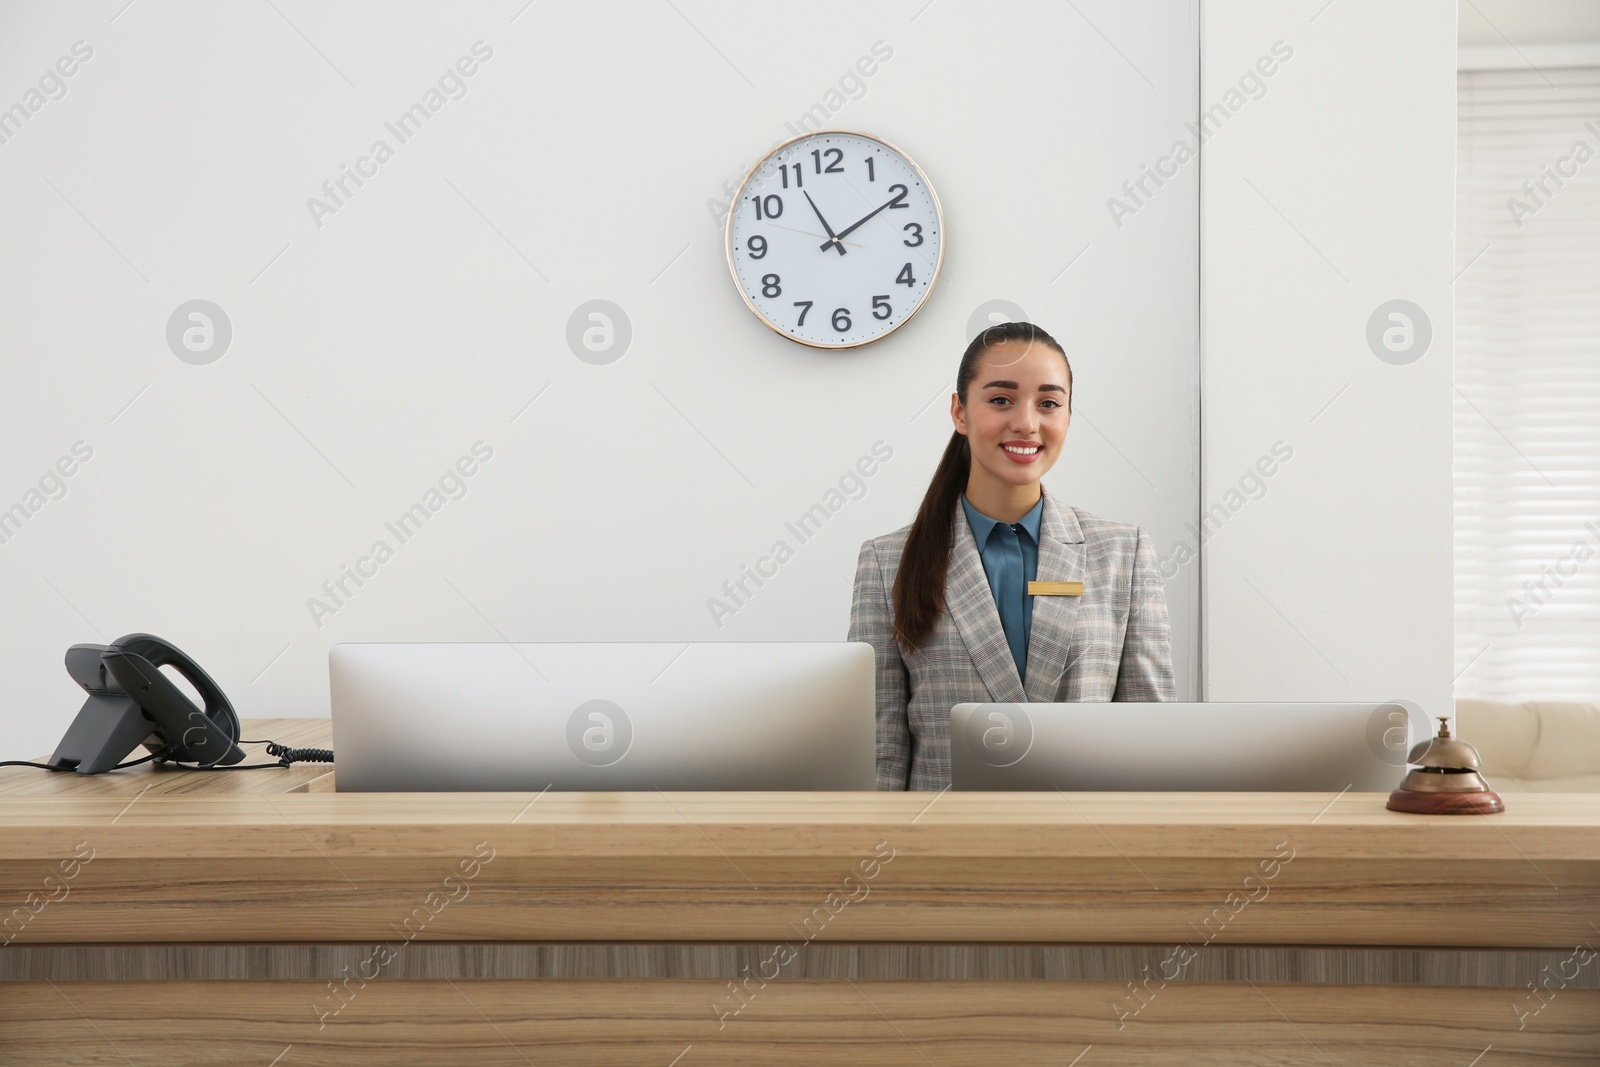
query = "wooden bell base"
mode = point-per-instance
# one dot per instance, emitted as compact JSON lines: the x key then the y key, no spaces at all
{"x":1409,"y":800}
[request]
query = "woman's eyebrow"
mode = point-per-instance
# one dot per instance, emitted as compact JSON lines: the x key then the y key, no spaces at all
{"x":1002,"y":384}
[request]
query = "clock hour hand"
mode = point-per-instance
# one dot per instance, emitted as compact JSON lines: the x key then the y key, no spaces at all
{"x":808,"y":233}
{"x":832,"y":239}
{"x":856,"y":225}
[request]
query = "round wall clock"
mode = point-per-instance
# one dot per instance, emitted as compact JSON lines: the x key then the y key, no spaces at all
{"x":835,"y":239}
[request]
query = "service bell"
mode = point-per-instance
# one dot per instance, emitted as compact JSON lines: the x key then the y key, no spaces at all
{"x":1447,"y":782}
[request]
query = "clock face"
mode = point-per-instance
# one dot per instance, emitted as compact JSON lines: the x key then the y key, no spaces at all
{"x":835,"y":239}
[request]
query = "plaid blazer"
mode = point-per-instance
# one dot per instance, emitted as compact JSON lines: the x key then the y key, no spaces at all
{"x":1112,"y":643}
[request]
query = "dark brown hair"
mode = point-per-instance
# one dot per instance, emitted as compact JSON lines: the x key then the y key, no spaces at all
{"x":919,"y":583}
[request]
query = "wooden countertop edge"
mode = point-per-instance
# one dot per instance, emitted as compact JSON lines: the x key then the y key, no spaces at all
{"x":1558,"y":811}
{"x":156,"y":829}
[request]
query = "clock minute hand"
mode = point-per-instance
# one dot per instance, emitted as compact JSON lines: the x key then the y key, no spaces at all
{"x":832,"y":238}
{"x":848,"y":230}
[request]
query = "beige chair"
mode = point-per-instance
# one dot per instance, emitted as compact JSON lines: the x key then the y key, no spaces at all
{"x":1544,"y":746}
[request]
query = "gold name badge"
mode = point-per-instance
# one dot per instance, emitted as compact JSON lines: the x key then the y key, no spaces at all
{"x":1055,"y":588}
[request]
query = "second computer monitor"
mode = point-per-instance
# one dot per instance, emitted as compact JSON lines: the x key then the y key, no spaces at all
{"x":1156,"y":746}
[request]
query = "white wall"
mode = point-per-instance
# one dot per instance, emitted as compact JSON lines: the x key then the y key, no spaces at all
{"x":372,"y":350}
{"x":1331,"y":195}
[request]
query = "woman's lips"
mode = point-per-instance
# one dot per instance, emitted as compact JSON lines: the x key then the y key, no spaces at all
{"x":1018,"y":458}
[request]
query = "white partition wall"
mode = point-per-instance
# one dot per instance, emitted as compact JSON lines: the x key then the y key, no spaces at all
{"x":385,"y":425}
{"x":1328,"y":237}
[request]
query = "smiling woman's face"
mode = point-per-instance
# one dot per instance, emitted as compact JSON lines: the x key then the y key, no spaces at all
{"x":1019,"y":398}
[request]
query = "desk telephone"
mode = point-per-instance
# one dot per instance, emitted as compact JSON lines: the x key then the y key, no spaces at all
{"x":132,"y":703}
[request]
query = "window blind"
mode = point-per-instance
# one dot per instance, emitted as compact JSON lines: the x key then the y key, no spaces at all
{"x":1527,"y":385}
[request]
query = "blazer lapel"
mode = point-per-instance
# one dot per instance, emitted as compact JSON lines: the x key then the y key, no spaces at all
{"x":1061,"y":553}
{"x":971,"y":604}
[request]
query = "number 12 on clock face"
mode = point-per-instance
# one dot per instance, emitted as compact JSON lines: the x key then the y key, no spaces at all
{"x":835,"y":239}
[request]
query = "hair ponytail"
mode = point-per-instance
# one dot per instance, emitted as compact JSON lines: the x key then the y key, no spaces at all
{"x":919,"y":584}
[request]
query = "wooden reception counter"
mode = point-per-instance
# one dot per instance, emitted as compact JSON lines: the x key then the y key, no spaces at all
{"x":174,"y":917}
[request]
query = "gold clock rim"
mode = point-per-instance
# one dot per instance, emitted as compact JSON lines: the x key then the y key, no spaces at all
{"x":727,"y":238}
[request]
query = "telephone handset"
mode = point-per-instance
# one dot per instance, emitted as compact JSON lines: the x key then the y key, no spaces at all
{"x":131,"y":702}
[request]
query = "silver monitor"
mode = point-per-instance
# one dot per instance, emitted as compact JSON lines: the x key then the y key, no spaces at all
{"x":603,"y":716}
{"x":1228,"y":747}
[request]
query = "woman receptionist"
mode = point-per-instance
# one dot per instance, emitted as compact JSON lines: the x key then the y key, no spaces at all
{"x":945,"y":601}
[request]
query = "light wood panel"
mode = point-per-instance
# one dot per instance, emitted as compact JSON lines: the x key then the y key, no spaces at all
{"x":1035,"y":914}
{"x":1021,"y":1024}
{"x":337,"y":897}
